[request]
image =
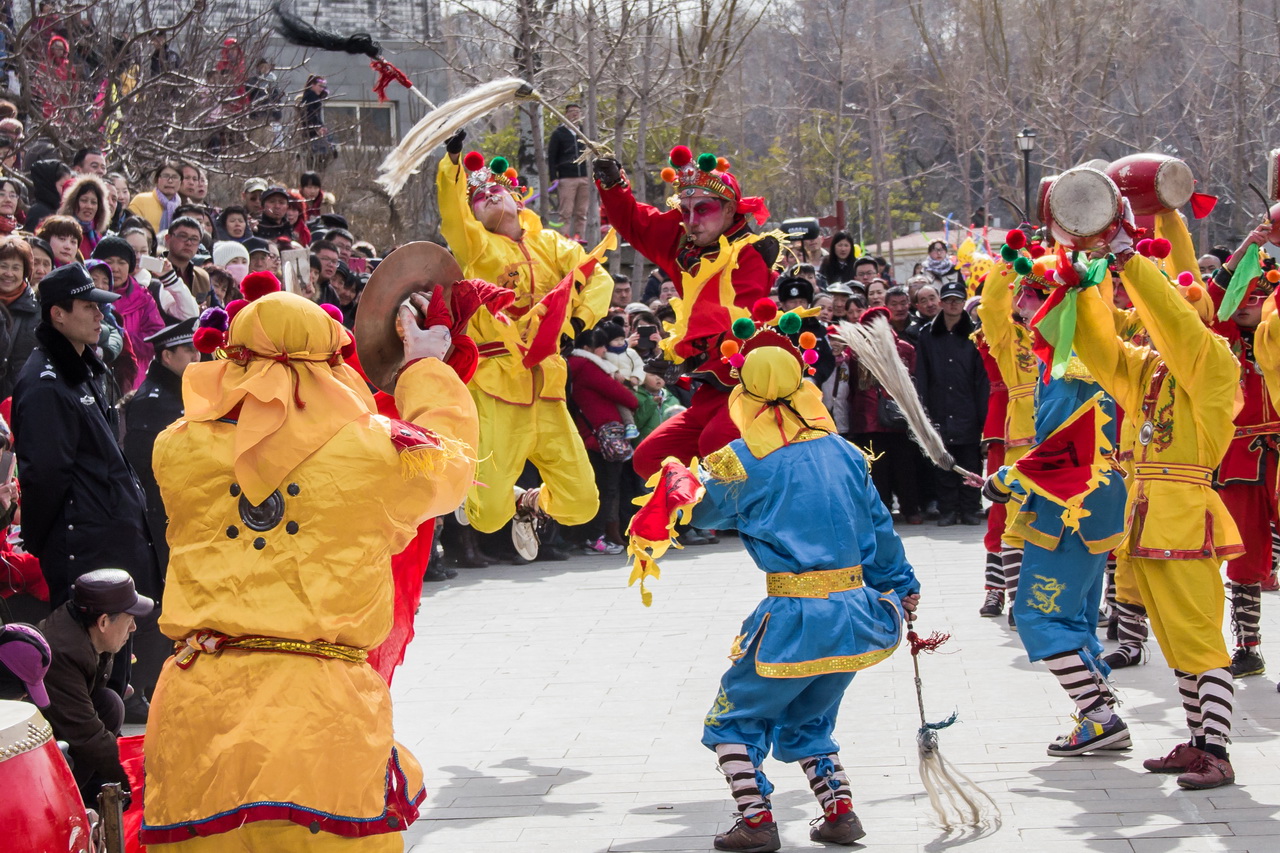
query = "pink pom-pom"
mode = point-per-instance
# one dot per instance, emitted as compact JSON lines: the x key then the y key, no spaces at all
{"x":233,"y":308}
{"x":1186,"y":279}
{"x":259,"y":284}
{"x":681,"y":156}
{"x":810,"y":356}
{"x":1143,"y":247}
{"x":208,"y":340}
{"x":214,"y":318}
{"x":737,"y":360}
{"x":1160,"y":248}
{"x":473,"y":161}
{"x":333,"y":311}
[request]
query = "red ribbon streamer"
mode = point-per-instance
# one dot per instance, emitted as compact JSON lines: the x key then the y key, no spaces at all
{"x":387,"y":74}
{"x":926,"y":644}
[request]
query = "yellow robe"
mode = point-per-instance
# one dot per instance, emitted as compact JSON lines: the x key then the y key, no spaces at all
{"x":1010,"y":346}
{"x":239,"y":728}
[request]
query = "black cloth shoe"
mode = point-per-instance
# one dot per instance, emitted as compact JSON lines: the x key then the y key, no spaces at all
{"x":1013,"y":623}
{"x":947,"y":519}
{"x":994,"y":605}
{"x":1246,"y":662}
{"x":973,"y":519}
{"x":1124,"y":656}
{"x":551,"y":553}
{"x":693,"y":536}
{"x":436,"y":574}
{"x":136,"y":709}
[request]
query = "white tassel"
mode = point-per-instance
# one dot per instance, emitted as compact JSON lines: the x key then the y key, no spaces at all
{"x":877,"y":351}
{"x":964,"y":798}
{"x":439,"y":124}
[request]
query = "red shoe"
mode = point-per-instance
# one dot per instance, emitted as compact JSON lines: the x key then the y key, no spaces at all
{"x":1180,"y":759}
{"x":1209,"y":771}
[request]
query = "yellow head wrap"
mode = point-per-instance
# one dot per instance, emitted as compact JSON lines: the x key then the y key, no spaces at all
{"x":292,"y":389}
{"x":773,"y":404}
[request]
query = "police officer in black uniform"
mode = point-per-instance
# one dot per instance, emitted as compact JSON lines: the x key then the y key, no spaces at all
{"x":795,"y":293}
{"x":82,"y":505}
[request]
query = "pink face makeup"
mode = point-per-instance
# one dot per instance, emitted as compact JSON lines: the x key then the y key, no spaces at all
{"x":483,"y":193}
{"x":700,"y":211}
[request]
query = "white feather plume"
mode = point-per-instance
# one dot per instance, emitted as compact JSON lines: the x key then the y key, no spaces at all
{"x":877,"y":351}
{"x":439,"y":124}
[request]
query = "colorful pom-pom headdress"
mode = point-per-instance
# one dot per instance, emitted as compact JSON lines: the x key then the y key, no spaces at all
{"x":498,"y":171}
{"x":767,"y":328}
{"x":709,"y":173}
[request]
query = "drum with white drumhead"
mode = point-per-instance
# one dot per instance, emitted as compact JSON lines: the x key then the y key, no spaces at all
{"x":1085,"y":208}
{"x":1153,"y":183}
{"x":40,"y":808}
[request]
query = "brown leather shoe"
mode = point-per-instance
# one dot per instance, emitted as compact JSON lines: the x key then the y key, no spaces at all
{"x":1178,"y":760}
{"x":1208,"y":771}
{"x":841,"y":828}
{"x":746,"y":837}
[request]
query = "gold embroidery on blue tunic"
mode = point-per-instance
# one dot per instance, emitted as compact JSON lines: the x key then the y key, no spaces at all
{"x":1044,"y":595}
{"x":721,"y":706}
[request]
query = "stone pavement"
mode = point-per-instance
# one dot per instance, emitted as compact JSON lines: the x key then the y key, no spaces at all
{"x":553,"y":712}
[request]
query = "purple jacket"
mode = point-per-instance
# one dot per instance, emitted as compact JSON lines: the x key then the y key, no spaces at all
{"x":141,"y":319}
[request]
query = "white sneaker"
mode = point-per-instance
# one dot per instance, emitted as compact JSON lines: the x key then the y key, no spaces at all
{"x":524,"y":526}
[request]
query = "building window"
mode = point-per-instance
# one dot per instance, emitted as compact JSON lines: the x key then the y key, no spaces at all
{"x":363,"y":123}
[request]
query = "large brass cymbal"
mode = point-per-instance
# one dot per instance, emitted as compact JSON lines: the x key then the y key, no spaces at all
{"x":413,"y":268}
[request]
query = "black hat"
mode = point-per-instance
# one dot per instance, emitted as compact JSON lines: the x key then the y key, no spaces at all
{"x":274,"y":190}
{"x":793,"y":287}
{"x":332,"y":220}
{"x":954,"y":287}
{"x":72,"y":281}
{"x":255,"y":244}
{"x":112,"y":246}
{"x":804,"y":228}
{"x":175,"y":335}
{"x":109,"y":591}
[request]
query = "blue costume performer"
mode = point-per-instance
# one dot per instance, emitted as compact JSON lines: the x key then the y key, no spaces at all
{"x":837,"y":579}
{"x":1071,"y":517}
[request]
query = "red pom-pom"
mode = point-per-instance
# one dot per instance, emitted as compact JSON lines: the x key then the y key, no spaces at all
{"x":1035,"y":250}
{"x":473,"y":161}
{"x":208,"y":340}
{"x":764,"y":310}
{"x":1143,"y":247}
{"x":1015,"y":239}
{"x":233,"y":308}
{"x":349,"y":349}
{"x":332,"y":310}
{"x":259,"y":284}
{"x":681,"y":156}
{"x":1160,"y":248}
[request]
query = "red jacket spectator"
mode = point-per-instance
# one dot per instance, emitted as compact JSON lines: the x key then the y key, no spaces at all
{"x":596,"y":393}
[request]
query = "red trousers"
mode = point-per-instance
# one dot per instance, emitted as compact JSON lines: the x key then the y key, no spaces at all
{"x":1253,"y":508}
{"x":700,"y":429}
{"x":997,"y":514}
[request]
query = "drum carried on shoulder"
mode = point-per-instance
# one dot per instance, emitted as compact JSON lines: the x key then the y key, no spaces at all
{"x":41,"y":807}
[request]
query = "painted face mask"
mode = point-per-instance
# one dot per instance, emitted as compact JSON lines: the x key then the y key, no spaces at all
{"x":700,"y":211}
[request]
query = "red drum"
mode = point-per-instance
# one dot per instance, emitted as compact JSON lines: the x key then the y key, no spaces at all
{"x":1274,"y":213}
{"x":1273,"y":174}
{"x":40,"y":808}
{"x":1042,"y":198}
{"x":1085,"y":208}
{"x":1153,"y":183}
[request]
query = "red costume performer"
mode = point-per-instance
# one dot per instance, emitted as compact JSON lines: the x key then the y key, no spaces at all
{"x":720,"y":270}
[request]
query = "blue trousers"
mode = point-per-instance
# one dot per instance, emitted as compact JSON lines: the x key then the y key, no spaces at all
{"x":793,"y":717}
{"x":1059,"y":592}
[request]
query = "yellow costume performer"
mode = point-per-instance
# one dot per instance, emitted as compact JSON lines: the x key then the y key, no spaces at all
{"x":288,"y":496}
{"x":1181,"y":397}
{"x":519,"y":387}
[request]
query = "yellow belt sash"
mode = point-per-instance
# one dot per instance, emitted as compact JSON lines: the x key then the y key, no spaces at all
{"x":813,"y":584}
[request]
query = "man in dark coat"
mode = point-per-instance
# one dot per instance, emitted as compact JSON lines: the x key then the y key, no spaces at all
{"x":563,"y":152}
{"x":84,"y":635}
{"x":82,"y":505}
{"x":953,"y":387}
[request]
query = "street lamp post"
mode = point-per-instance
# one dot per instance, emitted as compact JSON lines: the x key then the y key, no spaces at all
{"x":1026,"y":139}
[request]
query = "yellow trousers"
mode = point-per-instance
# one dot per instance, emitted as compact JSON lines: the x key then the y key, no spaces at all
{"x":278,"y":836}
{"x":1010,"y":539}
{"x":543,"y":434}
{"x":1126,"y":581}
{"x":1184,"y":600}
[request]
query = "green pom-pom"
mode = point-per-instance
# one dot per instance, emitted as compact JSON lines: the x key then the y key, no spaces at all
{"x":789,"y":323}
{"x":498,"y":165}
{"x":1022,"y":266}
{"x":707,"y":162}
{"x":1009,"y":253}
{"x":743,"y":328}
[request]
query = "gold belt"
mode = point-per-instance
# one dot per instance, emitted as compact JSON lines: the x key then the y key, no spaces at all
{"x":813,"y":584}
{"x":1173,"y":472}
{"x":212,"y":643}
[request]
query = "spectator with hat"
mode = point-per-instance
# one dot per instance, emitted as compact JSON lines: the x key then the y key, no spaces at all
{"x":261,"y":256}
{"x":138,"y":311}
{"x":233,"y":257}
{"x":251,"y":196}
{"x":24,"y":659}
{"x":954,"y":388}
{"x":796,"y":294}
{"x":272,"y":222}
{"x":85,"y":636}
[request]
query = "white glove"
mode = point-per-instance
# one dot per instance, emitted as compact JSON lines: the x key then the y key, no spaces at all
{"x":418,"y":342}
{"x":1122,"y":242}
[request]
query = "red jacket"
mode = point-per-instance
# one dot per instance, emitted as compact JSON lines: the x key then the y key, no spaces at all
{"x":597,"y":395}
{"x":864,"y":397}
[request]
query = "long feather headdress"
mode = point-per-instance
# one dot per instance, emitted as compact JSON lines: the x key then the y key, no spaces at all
{"x":878,"y":353}
{"x":439,"y":124}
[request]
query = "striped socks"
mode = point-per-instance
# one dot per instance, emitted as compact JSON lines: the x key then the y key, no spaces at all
{"x":1131,"y":631}
{"x":1216,"y":691}
{"x":827,"y":780}
{"x":1189,"y":690}
{"x":1246,"y":613}
{"x":1011,"y":564}
{"x":745,"y":781}
{"x":1084,"y":685}
{"x":995,"y":572}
